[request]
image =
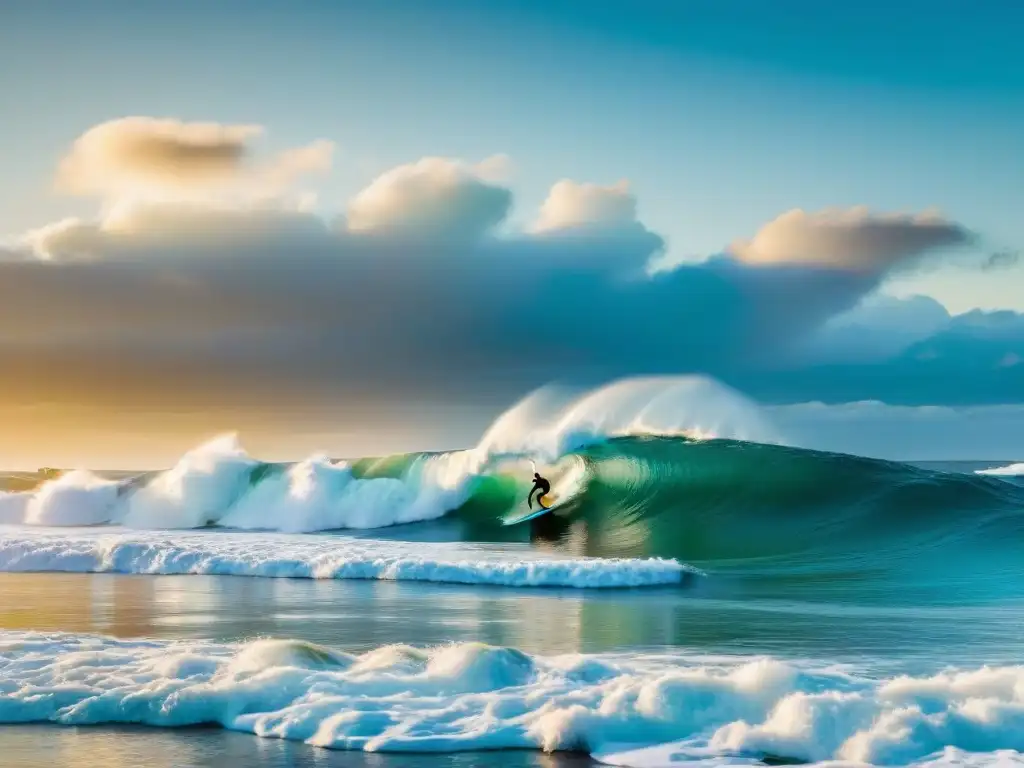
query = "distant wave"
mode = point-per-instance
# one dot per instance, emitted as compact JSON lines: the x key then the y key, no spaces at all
{"x":1011,"y":470}
{"x":471,"y":696}
{"x":318,"y":557}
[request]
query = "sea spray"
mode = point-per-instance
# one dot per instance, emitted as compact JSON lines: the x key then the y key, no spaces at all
{"x":197,"y":491}
{"x":75,"y":498}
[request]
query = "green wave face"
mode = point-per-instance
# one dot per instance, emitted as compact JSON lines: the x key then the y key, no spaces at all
{"x":736,"y":505}
{"x":727,"y":500}
{"x":731,"y":506}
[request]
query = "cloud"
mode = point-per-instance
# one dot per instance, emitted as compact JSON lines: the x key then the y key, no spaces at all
{"x":975,"y":342}
{"x":570,"y":205}
{"x":605,"y":215}
{"x":174,"y":231}
{"x":420,"y":291}
{"x":135,"y":156}
{"x":970,"y":360}
{"x":1003,"y":259}
{"x":495,"y":169}
{"x":434,"y":197}
{"x":68,"y":239}
{"x":313,"y":158}
{"x":878,"y":328}
{"x":850,"y":239}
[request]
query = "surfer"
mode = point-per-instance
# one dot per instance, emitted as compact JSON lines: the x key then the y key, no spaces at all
{"x":539,"y":484}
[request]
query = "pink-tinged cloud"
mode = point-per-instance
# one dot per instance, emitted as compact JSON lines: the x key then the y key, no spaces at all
{"x":851,"y":239}
{"x":141,"y":156}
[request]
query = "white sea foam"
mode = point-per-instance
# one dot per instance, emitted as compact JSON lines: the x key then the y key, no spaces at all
{"x":76,"y":498}
{"x":318,"y":557}
{"x":471,"y":696}
{"x":550,"y":423}
{"x":212,"y":485}
{"x":318,"y":495}
{"x":197,"y":491}
{"x":1009,"y":470}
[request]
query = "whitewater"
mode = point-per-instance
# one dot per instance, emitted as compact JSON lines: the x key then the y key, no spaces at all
{"x":471,"y":697}
{"x":305,"y":557}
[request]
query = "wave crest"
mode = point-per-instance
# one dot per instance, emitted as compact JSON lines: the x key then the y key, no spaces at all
{"x":550,"y":423}
{"x":1011,"y":470}
{"x":218,"y":483}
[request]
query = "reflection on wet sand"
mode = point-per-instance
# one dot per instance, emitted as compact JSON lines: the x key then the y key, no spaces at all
{"x":36,"y":745}
{"x":71,"y":602}
{"x":353,"y":615}
{"x":360,"y":615}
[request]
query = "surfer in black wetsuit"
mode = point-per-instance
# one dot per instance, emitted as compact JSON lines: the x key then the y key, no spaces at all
{"x":539,"y":484}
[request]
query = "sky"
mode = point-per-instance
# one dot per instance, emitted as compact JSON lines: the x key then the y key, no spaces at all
{"x":370,"y":226}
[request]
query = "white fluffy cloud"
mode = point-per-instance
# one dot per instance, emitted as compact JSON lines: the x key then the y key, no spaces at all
{"x":850,"y":239}
{"x":144,"y":156}
{"x":571,"y":205}
{"x":600,"y":213}
{"x":434,"y":197}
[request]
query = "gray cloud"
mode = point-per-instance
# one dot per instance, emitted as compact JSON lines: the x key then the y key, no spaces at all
{"x":1001,"y":260}
{"x":879,"y":328}
{"x":413,"y":294}
{"x":976,"y":358}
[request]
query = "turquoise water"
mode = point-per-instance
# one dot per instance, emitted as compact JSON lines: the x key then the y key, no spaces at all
{"x":848,"y":572}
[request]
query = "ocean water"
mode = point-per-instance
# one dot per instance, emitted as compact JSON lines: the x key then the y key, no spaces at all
{"x":706,"y":594}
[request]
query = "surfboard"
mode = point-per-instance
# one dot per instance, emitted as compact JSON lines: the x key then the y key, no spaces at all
{"x":567,"y":481}
{"x":549,"y":500}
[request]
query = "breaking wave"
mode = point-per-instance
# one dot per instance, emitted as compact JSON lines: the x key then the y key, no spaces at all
{"x":218,"y":483}
{"x":681,"y":469}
